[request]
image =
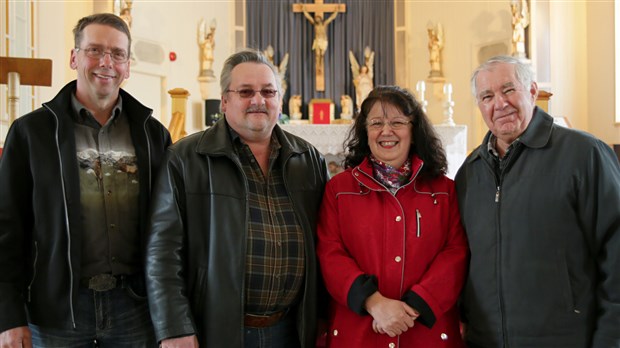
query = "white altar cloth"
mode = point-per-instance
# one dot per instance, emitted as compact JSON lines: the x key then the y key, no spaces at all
{"x":329,"y":139}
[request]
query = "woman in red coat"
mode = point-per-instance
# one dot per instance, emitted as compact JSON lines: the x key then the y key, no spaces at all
{"x":392,"y":250}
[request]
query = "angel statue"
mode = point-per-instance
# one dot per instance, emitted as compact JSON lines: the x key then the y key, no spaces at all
{"x":435,"y":45}
{"x":520,"y":21}
{"x":362,"y":76}
{"x":206,"y":42}
{"x":269,"y":52}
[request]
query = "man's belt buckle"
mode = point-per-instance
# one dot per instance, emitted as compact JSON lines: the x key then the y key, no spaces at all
{"x":102,"y":282}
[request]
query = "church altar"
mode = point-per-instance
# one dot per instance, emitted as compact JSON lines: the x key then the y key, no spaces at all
{"x":329,"y":139}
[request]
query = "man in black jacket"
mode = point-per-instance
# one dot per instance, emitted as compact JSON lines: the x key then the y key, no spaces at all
{"x":540,"y":205}
{"x":75,"y":182}
{"x":231,"y":257}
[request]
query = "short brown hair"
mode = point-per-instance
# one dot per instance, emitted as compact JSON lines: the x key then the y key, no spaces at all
{"x":108,"y":19}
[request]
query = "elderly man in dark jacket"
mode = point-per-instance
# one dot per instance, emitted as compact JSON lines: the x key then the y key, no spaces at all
{"x":231,"y":259}
{"x":540,"y":205}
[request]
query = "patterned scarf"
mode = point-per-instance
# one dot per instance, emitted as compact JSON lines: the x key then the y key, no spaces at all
{"x":390,"y":177}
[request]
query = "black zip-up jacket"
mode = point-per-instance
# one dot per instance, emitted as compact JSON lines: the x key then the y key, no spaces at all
{"x":40,"y":225}
{"x":544,"y":235}
{"x":197,"y":248}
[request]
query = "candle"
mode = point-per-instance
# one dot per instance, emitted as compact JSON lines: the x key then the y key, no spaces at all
{"x":447,"y":90}
{"x":420,"y":86}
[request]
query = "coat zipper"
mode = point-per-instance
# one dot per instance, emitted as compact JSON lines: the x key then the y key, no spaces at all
{"x":64,"y":201}
{"x":148,"y":151}
{"x":34,"y":270}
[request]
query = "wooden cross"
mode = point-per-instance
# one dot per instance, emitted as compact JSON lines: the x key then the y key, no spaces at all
{"x":27,"y":71}
{"x":319,"y":45}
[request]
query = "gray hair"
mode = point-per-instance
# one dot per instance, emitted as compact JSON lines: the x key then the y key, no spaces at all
{"x":246,"y":56}
{"x":109,"y":19}
{"x":523,"y":71}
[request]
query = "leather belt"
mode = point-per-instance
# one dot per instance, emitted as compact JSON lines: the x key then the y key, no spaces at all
{"x":103,"y":282}
{"x":261,"y":321}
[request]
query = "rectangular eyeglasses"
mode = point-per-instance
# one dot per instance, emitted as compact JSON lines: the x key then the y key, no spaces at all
{"x":250,"y":93}
{"x":377,"y":124}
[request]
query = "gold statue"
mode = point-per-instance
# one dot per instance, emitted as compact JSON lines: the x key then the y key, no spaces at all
{"x":520,"y":21}
{"x":435,"y":46}
{"x":206,"y":42}
{"x":346,"y":103}
{"x":122,"y":8}
{"x":319,"y":45}
{"x":269,"y":52}
{"x":362,"y":76}
{"x":294,"y":107}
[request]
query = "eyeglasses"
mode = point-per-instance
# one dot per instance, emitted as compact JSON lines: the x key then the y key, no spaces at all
{"x":249,"y":93}
{"x":378,"y":124}
{"x":117,"y":55}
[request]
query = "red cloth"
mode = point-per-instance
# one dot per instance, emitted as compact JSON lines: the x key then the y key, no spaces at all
{"x":321,"y":113}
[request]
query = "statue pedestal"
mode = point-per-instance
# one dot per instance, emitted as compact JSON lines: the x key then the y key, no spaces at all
{"x":207,"y":86}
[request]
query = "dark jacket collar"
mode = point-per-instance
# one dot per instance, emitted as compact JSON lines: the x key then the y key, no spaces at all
{"x":61,"y":105}
{"x":536,"y":135}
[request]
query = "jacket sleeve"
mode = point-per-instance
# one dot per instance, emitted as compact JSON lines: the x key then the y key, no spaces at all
{"x":339,"y":269}
{"x":165,"y":255}
{"x":439,"y":288}
{"x":16,"y":218}
{"x":599,"y":209}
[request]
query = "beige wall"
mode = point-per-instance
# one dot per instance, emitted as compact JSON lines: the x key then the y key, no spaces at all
{"x":600,"y":72}
{"x":171,"y":24}
{"x":581,"y":59}
{"x":569,"y":62}
{"x":468,"y":26}
{"x":581,"y":55}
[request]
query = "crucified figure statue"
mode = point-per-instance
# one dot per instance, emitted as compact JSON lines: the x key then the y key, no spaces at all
{"x":319,"y":45}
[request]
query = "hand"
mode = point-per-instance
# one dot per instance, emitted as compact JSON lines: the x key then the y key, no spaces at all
{"x":180,"y":342}
{"x":391,"y":317}
{"x":18,"y":337}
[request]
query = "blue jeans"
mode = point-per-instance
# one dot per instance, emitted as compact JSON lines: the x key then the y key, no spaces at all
{"x":115,"y":318}
{"x":281,"y":335}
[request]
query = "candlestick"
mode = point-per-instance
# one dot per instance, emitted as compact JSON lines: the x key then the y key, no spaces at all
{"x":420,"y":87}
{"x":448,"y":105}
{"x":447,"y":90}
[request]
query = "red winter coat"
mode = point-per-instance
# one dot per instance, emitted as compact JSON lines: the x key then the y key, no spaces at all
{"x":409,"y":246}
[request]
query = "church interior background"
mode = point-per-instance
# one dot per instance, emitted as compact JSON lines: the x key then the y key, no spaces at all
{"x":570,"y":46}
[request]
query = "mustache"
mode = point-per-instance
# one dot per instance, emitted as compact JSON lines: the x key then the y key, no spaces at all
{"x":262,"y":109}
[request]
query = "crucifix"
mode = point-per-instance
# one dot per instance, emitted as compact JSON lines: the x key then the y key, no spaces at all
{"x":319,"y":45}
